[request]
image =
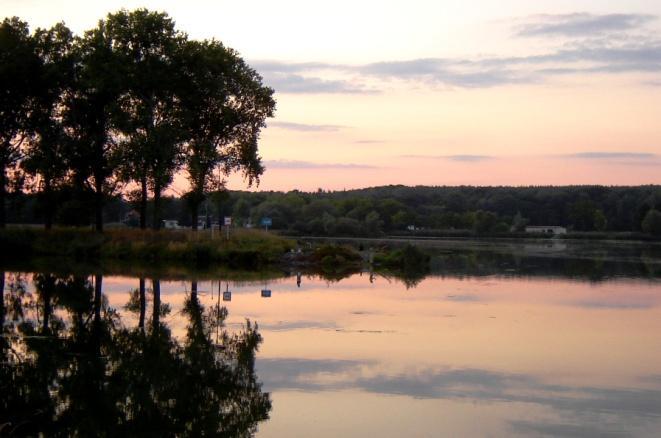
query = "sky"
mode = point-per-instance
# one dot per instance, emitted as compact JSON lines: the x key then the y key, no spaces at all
{"x":482,"y":92}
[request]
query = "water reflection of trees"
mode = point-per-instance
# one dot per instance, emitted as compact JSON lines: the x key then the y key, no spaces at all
{"x":71,"y":367}
{"x":596,"y":267}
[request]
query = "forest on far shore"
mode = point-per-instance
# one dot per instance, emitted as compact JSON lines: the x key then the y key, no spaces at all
{"x":385,"y":210}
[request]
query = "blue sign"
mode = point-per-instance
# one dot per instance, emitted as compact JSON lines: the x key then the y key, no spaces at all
{"x":267,"y":222}
{"x":266,"y":293}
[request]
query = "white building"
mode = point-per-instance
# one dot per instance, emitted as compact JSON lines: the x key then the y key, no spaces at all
{"x":171,"y":224}
{"x":546,"y":229}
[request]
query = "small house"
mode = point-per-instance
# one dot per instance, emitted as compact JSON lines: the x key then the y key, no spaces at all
{"x":171,"y":224}
{"x":546,"y":229}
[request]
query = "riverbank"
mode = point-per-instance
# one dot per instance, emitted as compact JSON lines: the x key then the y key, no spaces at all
{"x":244,"y":249}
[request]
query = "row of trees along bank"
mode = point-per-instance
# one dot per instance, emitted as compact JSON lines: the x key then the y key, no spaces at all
{"x":123,"y":108}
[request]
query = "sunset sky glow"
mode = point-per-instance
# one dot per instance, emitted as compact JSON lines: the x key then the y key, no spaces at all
{"x":509,"y":92}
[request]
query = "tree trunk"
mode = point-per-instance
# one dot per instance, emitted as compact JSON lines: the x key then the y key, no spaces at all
{"x":98,"y":205}
{"x":99,"y":168}
{"x":143,"y":305}
{"x":156,"y":225}
{"x":50,"y":205}
{"x":143,"y":203}
{"x":195,"y":214}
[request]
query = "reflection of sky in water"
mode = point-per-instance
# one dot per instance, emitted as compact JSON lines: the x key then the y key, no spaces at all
{"x":520,"y":356}
{"x":492,"y":355}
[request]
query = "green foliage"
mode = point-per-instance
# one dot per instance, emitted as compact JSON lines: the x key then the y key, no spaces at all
{"x":321,"y":214}
{"x":484,"y":221}
{"x":652,"y":222}
{"x":451,"y":210}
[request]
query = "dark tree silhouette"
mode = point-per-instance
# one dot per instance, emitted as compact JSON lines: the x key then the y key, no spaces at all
{"x":91,"y":117}
{"x":18,"y":63}
{"x":45,"y":154}
{"x":226,"y":106}
{"x":149,"y":47}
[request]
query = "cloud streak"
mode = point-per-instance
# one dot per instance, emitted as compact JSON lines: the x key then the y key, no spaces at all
{"x":581,"y":24}
{"x":305,"y":127}
{"x":462,"y":158}
{"x":600,"y":44}
{"x":613,"y":155}
{"x":295,"y":164}
{"x":297,"y":84}
{"x":307,"y":78}
{"x":369,"y":141}
{"x":617,"y":158}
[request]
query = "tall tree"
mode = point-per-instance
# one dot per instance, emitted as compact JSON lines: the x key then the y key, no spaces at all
{"x":148,"y":45}
{"x":90,"y":116}
{"x":45,"y":153}
{"x":18,"y":62}
{"x":226,"y":106}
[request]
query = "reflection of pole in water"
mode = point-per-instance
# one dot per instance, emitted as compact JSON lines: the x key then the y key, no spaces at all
{"x":266,"y":292}
{"x":218,"y":316}
{"x":298,"y":279}
{"x":227,"y":295}
{"x":143,"y":304}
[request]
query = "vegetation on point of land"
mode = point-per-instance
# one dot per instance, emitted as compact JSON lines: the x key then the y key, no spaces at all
{"x":337,"y":259}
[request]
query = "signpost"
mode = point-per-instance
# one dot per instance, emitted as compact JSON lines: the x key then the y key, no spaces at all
{"x":266,"y":222}
{"x":266,"y":293}
{"x":228,"y":224}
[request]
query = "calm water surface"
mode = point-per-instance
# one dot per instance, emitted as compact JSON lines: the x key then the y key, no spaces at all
{"x":501,"y":341}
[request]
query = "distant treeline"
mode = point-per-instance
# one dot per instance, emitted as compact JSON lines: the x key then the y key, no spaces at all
{"x":392,"y":209}
{"x":118,"y":111}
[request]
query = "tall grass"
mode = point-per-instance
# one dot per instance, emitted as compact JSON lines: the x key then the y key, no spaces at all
{"x":244,"y":248}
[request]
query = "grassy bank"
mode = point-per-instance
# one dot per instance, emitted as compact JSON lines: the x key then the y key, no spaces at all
{"x":153,"y":250}
{"x":244,"y":249}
